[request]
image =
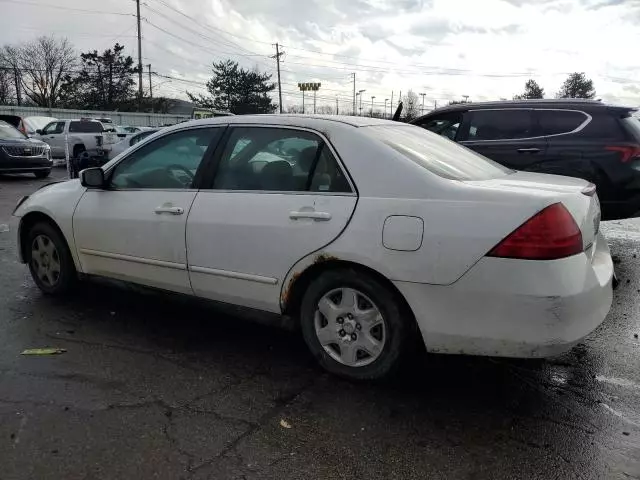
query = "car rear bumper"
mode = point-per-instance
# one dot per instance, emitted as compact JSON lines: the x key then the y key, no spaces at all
{"x":514,"y":308}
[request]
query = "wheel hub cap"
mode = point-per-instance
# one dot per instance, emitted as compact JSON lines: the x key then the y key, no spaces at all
{"x":350,"y":327}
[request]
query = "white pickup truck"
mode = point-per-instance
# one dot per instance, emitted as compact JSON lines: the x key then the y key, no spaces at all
{"x":84,"y":135}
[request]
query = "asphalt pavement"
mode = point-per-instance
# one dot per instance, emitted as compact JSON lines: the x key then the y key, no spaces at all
{"x":153,"y":387}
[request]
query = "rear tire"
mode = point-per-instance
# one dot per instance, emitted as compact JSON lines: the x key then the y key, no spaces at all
{"x":49,"y":259}
{"x":355,"y":326}
{"x":42,"y":173}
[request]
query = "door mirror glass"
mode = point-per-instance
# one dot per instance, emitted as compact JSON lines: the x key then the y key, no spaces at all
{"x":92,"y":178}
{"x":39,"y":131}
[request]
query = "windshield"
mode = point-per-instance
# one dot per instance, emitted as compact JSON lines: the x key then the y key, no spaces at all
{"x":7,"y":132}
{"x":437,"y":154}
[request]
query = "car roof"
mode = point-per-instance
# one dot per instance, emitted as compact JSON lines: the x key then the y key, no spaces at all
{"x":560,"y":103}
{"x":312,"y":121}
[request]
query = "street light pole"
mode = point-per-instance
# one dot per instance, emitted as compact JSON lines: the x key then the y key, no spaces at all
{"x":423,"y":94}
{"x":361,"y":92}
{"x":372,"y":105}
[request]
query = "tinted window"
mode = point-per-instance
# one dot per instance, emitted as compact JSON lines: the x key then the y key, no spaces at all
{"x":501,"y":125}
{"x":169,"y":162}
{"x":85,"y":127}
{"x":277,"y":159}
{"x":438,"y":155}
{"x":8,"y":132}
{"x":446,"y":125}
{"x":554,"y":122}
{"x":604,"y":125}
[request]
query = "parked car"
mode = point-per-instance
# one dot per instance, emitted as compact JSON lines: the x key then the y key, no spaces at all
{"x":20,"y":154}
{"x":580,"y":138}
{"x":132,"y":129}
{"x":453,"y":248}
{"x":124,"y":144}
{"x":27,"y":125}
{"x":85,"y":136}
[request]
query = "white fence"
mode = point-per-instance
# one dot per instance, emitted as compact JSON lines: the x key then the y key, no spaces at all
{"x":119,"y":118}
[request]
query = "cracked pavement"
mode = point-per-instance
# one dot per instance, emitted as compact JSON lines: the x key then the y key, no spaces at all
{"x":156,"y":387}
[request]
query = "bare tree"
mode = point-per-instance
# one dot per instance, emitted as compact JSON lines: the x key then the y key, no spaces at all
{"x":411,"y":105}
{"x":7,"y":89}
{"x":293,"y":109}
{"x":42,"y":65}
{"x":326,"y":110}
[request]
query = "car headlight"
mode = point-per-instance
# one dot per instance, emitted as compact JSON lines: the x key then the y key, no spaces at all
{"x":47,"y":151}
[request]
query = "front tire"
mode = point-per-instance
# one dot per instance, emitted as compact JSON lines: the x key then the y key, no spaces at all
{"x":42,"y":173}
{"x":355,"y":326}
{"x":49,"y":259}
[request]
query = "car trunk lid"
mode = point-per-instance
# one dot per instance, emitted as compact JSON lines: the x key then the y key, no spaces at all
{"x":578,"y":196}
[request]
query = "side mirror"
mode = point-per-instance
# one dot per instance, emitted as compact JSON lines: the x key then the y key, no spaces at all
{"x":39,"y":131}
{"x":92,"y":178}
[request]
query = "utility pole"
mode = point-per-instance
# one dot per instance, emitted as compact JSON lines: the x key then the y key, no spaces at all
{"x":337,"y":108}
{"x":360,"y":92}
{"x":422,"y":112}
{"x":354,"y":94}
{"x":139,"y":57}
{"x":277,"y":57}
{"x":435,"y":104}
{"x":391,"y":106}
{"x":150,"y":88}
{"x":385,"y":108}
{"x":372,"y":105}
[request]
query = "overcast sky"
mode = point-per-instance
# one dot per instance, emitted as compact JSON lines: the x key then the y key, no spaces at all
{"x":443,"y":48}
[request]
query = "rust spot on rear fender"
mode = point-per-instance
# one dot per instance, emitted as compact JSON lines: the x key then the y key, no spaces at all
{"x":286,"y":291}
{"x":323,"y":257}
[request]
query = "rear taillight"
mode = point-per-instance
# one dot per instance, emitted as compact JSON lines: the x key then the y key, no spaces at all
{"x":627,"y":152}
{"x":550,"y":234}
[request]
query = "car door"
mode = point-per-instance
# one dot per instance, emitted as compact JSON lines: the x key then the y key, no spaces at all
{"x":134,"y":229}
{"x":53,"y":134}
{"x":277,"y":195}
{"x":510,"y":137}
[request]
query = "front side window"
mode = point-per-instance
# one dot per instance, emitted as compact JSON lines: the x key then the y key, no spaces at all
{"x":278,"y":159}
{"x":54,"y":128}
{"x":501,"y":125}
{"x":446,"y":125}
{"x":169,"y":162}
{"x":85,"y":127}
{"x":556,"y":122}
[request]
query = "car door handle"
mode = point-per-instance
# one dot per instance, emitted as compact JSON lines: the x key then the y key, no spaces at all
{"x":528,"y":150}
{"x":170,"y":210}
{"x":317,"y":216}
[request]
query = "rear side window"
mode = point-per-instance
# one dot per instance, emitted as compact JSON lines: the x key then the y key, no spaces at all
{"x":556,"y":122}
{"x":437,"y":154}
{"x":85,"y":127}
{"x":501,"y":124}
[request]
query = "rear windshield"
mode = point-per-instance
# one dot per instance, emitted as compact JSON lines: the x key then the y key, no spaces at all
{"x":632,"y":124}
{"x":8,"y":132}
{"x":437,"y":154}
{"x":85,"y":127}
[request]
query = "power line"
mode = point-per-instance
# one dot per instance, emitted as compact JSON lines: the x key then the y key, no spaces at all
{"x":79,"y":10}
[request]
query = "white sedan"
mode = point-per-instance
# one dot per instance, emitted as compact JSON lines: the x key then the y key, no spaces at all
{"x":367,"y":234}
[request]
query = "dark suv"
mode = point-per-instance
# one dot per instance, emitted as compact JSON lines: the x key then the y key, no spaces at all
{"x":578,"y":138}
